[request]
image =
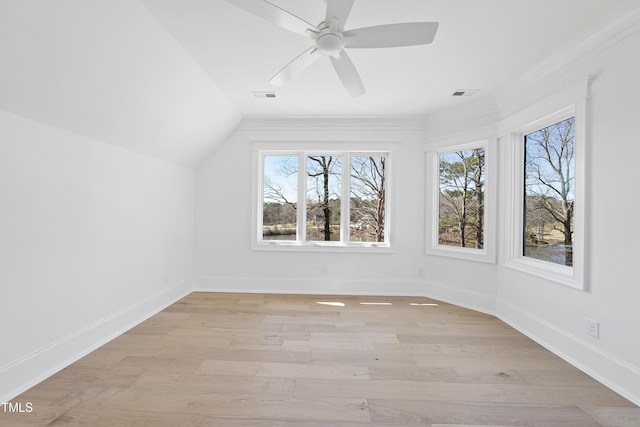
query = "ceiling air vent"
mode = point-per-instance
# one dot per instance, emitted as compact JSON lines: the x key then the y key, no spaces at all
{"x":264,"y":94}
{"x":465,"y":92}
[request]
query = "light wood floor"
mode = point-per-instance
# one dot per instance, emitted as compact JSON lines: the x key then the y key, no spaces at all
{"x":283,"y":360}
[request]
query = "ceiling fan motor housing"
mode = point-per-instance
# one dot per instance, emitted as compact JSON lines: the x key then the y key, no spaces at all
{"x":330,"y":42}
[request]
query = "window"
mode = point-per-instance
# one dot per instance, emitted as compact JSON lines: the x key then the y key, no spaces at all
{"x":367,"y":209}
{"x":461,"y":196}
{"x":280,"y":198}
{"x":324,"y":195}
{"x":545,"y":190}
{"x":549,"y":177}
{"x":331,"y":199}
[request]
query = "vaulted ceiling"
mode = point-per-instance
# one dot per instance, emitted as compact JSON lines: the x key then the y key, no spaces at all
{"x":172,"y":78}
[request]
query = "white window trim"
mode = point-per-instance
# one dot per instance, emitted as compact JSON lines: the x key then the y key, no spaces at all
{"x":574,"y":276}
{"x":304,"y":149}
{"x":488,"y":252}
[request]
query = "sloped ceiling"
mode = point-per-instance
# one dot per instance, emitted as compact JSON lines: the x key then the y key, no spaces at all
{"x":172,"y":78}
{"x":109,"y":70}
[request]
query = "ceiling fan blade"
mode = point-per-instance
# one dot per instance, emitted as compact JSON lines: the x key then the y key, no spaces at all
{"x":339,"y":9}
{"x":296,"y":66}
{"x":391,"y":35}
{"x":277,"y":15}
{"x":348,"y":74}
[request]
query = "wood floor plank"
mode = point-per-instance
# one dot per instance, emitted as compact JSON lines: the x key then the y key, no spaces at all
{"x":479,"y":413}
{"x":234,"y":384}
{"x":359,"y":356}
{"x":572,"y":395}
{"x":157,"y":400}
{"x":614,"y":416}
{"x":280,"y":407}
{"x":43,"y":417}
{"x":245,"y":422}
{"x":351,"y":337}
{"x":324,"y":319}
{"x":260,"y":360}
{"x":470,"y":425}
{"x":228,"y":367}
{"x":258,"y":355}
{"x":501,"y":362}
{"x":327,"y":346}
{"x":557,"y":377}
{"x":303,"y":370}
{"x":302,"y":327}
{"x":82,"y":375}
{"x":399,"y":390}
{"x":403,"y":372}
{"x":110,"y":417}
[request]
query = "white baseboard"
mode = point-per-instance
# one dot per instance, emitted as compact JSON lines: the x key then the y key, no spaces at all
{"x":24,"y":373}
{"x":419,"y":287}
{"x":618,"y":375}
{"x":326,"y":286}
{"x":475,"y":301}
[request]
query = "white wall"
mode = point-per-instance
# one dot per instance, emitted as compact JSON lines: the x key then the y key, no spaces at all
{"x":93,"y":238}
{"x":554,"y":314}
{"x":225,"y":260}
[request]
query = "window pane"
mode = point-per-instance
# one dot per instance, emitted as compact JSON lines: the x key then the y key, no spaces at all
{"x":323,"y":197}
{"x":280,"y":198}
{"x":368,"y":190}
{"x":549,"y":192}
{"x":461,"y":198}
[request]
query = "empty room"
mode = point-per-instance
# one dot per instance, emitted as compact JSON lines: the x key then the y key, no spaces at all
{"x":319,"y":213}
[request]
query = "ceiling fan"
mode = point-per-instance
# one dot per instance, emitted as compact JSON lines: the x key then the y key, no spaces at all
{"x":331,"y":39}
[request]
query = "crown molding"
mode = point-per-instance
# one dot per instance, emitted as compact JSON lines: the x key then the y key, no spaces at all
{"x":347,"y":122}
{"x":533,"y":85}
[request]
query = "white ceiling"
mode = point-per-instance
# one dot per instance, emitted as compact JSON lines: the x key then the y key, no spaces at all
{"x":171,"y":78}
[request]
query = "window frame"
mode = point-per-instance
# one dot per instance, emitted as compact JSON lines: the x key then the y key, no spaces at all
{"x":571,"y":276}
{"x":303,"y":151}
{"x":432,"y":247}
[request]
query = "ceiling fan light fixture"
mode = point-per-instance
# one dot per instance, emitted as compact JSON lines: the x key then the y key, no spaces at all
{"x":330,"y":44}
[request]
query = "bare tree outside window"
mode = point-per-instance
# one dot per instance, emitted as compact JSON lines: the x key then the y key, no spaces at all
{"x":280,"y":198}
{"x":549,"y":193}
{"x":323,"y":197}
{"x":368,"y":198}
{"x":461,"y":198}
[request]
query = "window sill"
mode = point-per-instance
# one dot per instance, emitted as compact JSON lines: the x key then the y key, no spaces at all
{"x":468,"y":254}
{"x":552,"y":272}
{"x":323,"y":247}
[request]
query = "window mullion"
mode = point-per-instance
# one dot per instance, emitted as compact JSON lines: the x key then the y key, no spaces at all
{"x":345,"y":206}
{"x":260,"y":195}
{"x":518,"y":207}
{"x":302,"y":199}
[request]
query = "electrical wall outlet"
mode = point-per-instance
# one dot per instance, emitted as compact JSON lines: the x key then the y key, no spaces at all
{"x":592,"y":327}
